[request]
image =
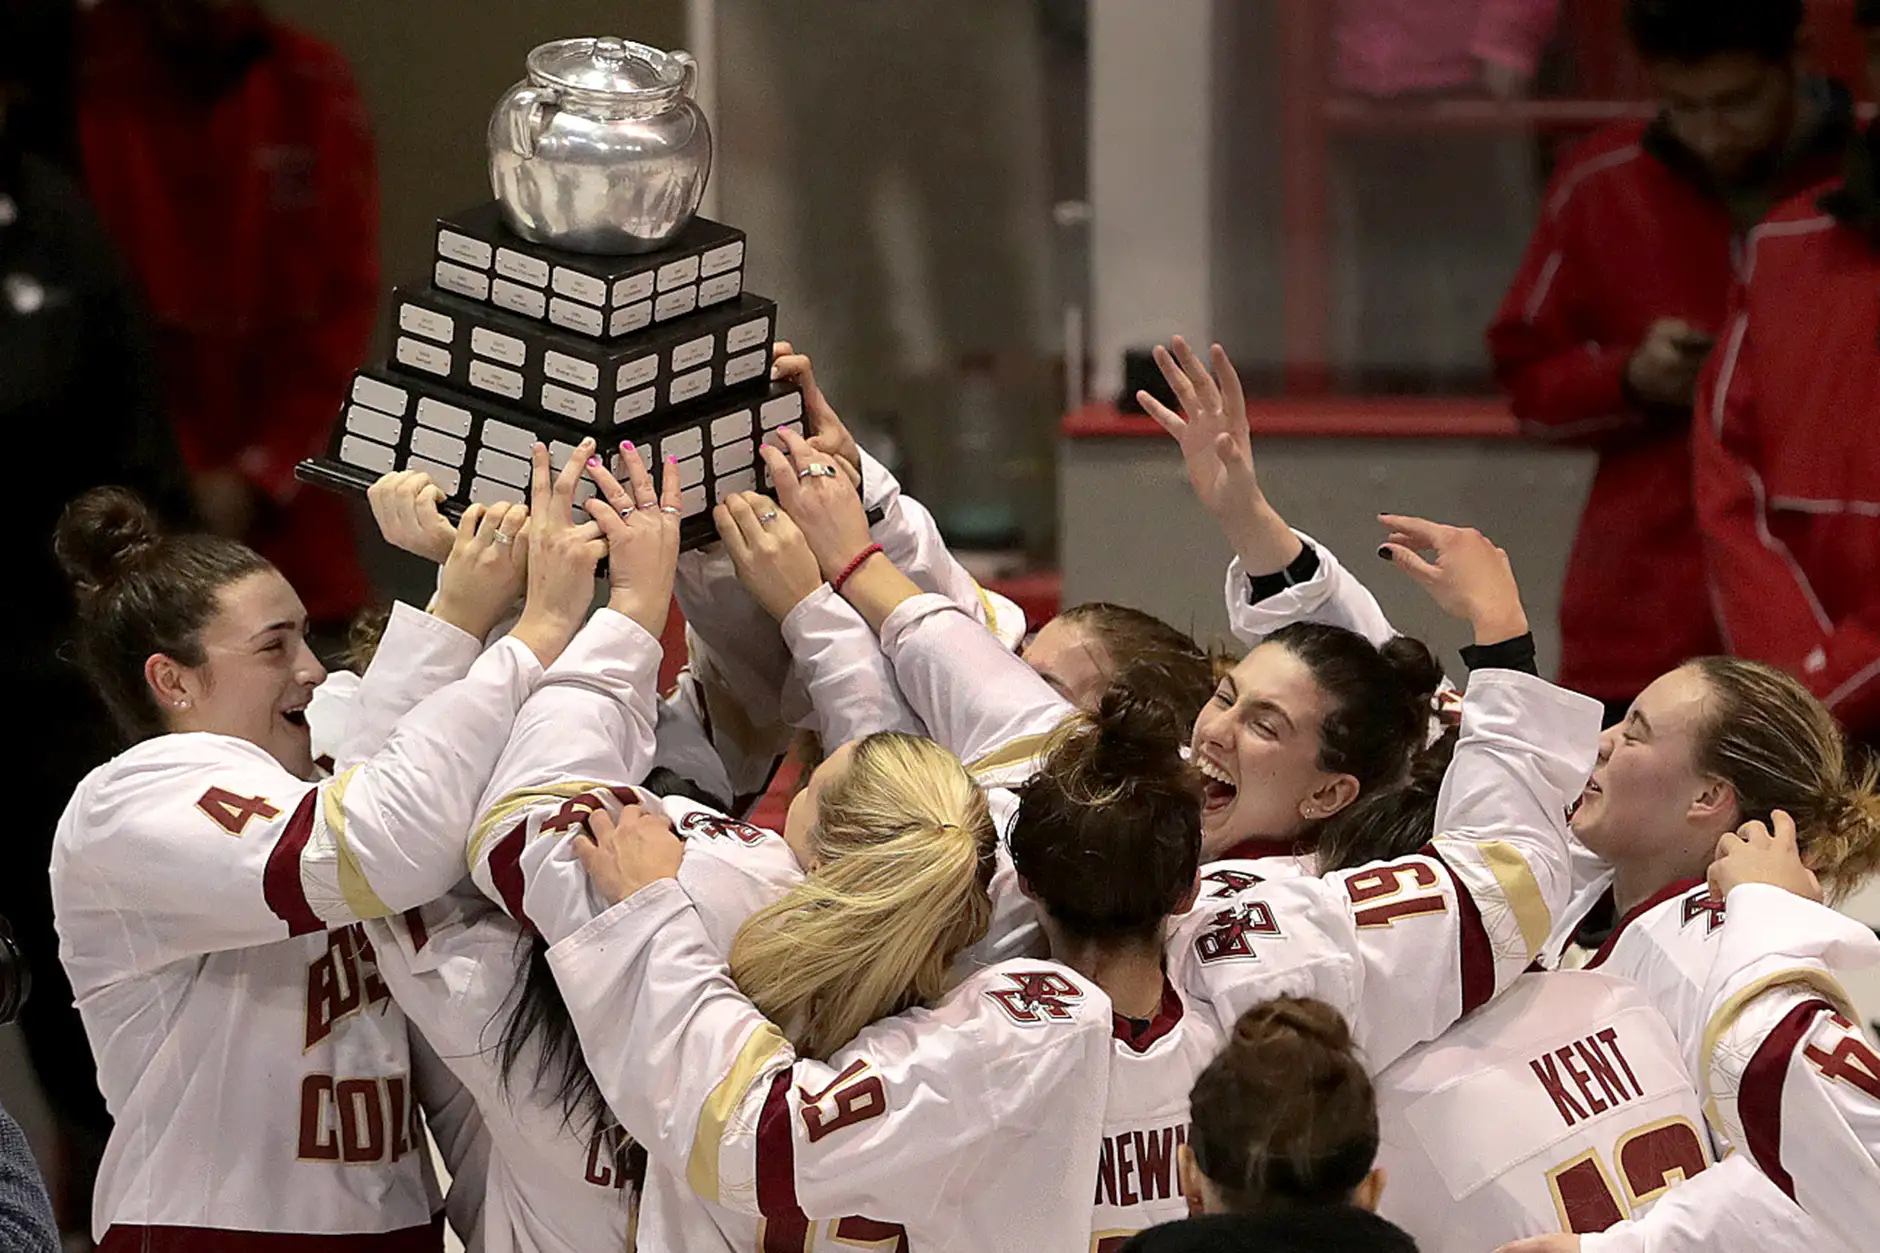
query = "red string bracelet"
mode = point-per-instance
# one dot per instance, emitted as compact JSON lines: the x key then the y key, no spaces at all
{"x":835,"y":584}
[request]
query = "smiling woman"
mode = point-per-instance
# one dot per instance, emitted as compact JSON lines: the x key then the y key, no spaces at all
{"x":206,"y":881}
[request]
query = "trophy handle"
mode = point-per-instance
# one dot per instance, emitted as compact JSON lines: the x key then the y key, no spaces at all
{"x":688,"y":81}
{"x":529,"y":111}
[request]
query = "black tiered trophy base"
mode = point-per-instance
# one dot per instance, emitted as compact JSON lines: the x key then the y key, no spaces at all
{"x":663,"y":349}
{"x":476,"y":450}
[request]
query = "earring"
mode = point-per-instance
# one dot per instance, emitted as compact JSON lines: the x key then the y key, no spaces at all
{"x":181,"y":704}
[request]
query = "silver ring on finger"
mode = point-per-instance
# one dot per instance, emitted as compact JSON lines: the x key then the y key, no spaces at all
{"x":626,"y":510}
{"x":503,"y":537}
{"x":767,"y":518}
{"x":669,"y":509}
{"x":817,"y":470}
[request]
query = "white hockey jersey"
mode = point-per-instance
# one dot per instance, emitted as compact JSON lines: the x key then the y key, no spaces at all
{"x":1405,"y":949}
{"x":1592,"y":1117}
{"x":194,"y":881}
{"x":1153,"y":1066}
{"x":1793,"y":1080}
{"x":971,"y":1125}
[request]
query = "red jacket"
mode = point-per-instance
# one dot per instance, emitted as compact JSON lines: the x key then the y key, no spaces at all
{"x":1628,"y":235}
{"x":1788,"y":459}
{"x":251,"y":220}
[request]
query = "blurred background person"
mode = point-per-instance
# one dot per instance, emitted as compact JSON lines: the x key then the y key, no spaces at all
{"x":1431,"y":222}
{"x":1788,"y":471}
{"x":74,"y":361}
{"x":1617,"y":304}
{"x":230,"y":157}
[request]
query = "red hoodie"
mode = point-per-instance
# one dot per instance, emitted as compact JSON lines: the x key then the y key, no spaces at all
{"x":251,"y":219}
{"x":1629,"y":234}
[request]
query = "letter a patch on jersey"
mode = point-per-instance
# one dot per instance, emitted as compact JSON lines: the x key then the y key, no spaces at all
{"x":716,"y":827}
{"x":1037,"y":996}
{"x":1231,"y":933}
{"x":1700,"y":905}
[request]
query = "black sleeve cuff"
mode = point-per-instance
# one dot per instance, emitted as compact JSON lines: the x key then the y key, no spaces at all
{"x":1514,"y":654}
{"x":1303,"y":567}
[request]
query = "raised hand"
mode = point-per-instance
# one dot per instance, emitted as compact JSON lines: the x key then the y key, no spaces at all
{"x":772,"y":558}
{"x":1465,"y":574}
{"x":486,"y":568}
{"x":827,"y":434}
{"x":1754,"y":853}
{"x":1218,"y":451}
{"x":642,"y":530}
{"x":404,"y":504}
{"x":563,"y":554}
{"x":821,"y":499}
{"x":624,"y":854}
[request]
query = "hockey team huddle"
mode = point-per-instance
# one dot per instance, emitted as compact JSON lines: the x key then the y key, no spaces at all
{"x":1064,"y":939}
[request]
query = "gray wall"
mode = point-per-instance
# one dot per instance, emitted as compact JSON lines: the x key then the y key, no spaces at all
{"x":1131,"y":531}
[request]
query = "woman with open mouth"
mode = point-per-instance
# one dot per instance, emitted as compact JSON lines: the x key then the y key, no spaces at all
{"x":206,"y":879}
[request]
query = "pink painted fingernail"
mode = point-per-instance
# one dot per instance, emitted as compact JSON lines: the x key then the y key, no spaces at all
{"x":594,"y":461}
{"x":671,"y":460}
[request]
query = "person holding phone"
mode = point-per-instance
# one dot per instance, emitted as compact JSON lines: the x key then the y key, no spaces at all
{"x":1605,"y":332}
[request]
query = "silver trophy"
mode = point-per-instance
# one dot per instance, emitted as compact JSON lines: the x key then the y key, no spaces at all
{"x":601,"y":148}
{"x":587,"y":300}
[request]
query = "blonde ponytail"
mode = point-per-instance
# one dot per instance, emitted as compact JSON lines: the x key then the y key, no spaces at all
{"x":904,"y":844}
{"x":1780,"y":748}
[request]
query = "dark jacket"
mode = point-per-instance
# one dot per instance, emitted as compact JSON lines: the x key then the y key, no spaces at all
{"x":26,"y":1224}
{"x":79,"y":401}
{"x":1342,"y":1228}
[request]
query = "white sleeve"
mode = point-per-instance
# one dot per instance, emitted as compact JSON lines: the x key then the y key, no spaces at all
{"x":910,"y":539}
{"x":151,"y":839}
{"x":1729,"y":1208}
{"x":579,"y":742}
{"x":978,"y":700}
{"x":1405,"y":949}
{"x":453,"y":968}
{"x":1791,"y":1079}
{"x":1332,"y":596}
{"x":850,"y":685}
{"x":417,"y":655}
{"x":716,"y":1094}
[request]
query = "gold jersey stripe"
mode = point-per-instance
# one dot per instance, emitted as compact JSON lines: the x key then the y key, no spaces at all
{"x":1522,"y":892}
{"x":701,"y":1168}
{"x":357,"y":890}
{"x":500,"y":815}
{"x":1800,"y":976}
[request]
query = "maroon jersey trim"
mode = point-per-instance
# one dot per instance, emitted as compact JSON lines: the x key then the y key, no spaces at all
{"x":280,"y":878}
{"x":1759,"y":1102}
{"x":506,"y":871}
{"x":1477,"y":951}
{"x":1139,"y":1034}
{"x":776,"y":1165}
{"x":1663,"y":894}
{"x":1255,"y":849}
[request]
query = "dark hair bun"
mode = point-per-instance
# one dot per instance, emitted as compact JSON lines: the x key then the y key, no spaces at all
{"x":1302,"y":1021}
{"x":102,"y":535}
{"x":1416,"y":668}
{"x":1132,"y":738}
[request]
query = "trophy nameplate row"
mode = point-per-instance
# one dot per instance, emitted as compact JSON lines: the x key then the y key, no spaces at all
{"x":595,"y":385}
{"x":600,"y":297}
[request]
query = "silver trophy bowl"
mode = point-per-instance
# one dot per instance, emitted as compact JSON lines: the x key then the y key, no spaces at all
{"x":601,"y":149}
